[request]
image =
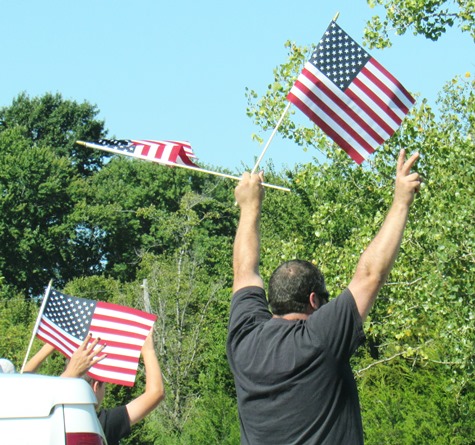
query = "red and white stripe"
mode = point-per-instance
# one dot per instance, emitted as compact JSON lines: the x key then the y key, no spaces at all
{"x":360,"y":118}
{"x":165,"y":152}
{"x":121,"y":328}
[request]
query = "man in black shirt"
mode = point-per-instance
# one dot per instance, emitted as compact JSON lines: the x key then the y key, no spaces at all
{"x":291,"y":367}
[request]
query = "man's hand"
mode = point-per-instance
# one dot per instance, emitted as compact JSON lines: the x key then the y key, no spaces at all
{"x":86,"y":356}
{"x":250,"y":192}
{"x":407,"y":183}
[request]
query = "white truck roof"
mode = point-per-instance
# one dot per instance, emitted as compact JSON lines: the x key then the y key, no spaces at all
{"x":16,"y":392}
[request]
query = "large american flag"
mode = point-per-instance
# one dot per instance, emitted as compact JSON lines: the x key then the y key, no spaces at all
{"x":164,"y":152}
{"x":66,"y":321}
{"x":349,"y":95}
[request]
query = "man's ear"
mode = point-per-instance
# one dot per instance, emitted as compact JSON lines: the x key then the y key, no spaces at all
{"x":313,"y":301}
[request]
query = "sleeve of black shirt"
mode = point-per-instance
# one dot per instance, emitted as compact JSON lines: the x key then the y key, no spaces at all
{"x":338,"y":325}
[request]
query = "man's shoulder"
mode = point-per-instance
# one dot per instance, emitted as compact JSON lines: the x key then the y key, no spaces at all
{"x":345,"y":298}
{"x":249,"y":298}
{"x":249,"y":291}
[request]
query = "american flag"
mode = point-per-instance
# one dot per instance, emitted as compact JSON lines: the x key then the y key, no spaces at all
{"x":163,"y":152}
{"x":66,"y":321}
{"x":349,"y":95}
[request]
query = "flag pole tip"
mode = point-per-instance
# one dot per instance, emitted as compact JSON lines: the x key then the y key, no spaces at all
{"x":336,"y":16}
{"x":81,"y":143}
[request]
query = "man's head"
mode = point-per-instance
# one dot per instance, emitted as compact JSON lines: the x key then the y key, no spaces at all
{"x":292,"y":283}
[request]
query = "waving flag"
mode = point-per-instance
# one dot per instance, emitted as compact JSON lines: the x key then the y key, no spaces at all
{"x":66,"y":321}
{"x":163,"y":152}
{"x":175,"y":153}
{"x":349,"y":95}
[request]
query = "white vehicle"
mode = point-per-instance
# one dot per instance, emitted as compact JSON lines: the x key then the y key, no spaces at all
{"x":43,"y":410}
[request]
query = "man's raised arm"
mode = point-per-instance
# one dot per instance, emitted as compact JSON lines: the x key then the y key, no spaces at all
{"x":249,"y":194}
{"x":378,"y":259}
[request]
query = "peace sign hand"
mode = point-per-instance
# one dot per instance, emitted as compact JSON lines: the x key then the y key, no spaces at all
{"x":407,"y":183}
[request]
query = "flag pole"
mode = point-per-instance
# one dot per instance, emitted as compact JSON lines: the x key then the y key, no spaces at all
{"x":278,"y":123}
{"x":271,"y":137}
{"x":171,"y":164}
{"x":38,"y":320}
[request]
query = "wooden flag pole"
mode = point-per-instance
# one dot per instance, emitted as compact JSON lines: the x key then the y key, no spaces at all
{"x":38,"y":320}
{"x":278,"y":123}
{"x":171,"y":164}
{"x":271,"y":137}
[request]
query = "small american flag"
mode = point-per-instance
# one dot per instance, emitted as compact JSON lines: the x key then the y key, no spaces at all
{"x":349,"y":95}
{"x":67,"y":320}
{"x":163,"y":152}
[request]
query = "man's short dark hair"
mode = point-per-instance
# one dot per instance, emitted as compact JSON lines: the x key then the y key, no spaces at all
{"x":291,"y":284}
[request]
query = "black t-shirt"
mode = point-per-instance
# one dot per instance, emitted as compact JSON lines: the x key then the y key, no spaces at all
{"x":116,"y":424}
{"x":293,"y":379}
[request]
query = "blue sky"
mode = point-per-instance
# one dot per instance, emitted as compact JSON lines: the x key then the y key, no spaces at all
{"x":178,"y":69}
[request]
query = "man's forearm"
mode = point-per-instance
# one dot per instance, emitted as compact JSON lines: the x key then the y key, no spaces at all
{"x":246,"y":252}
{"x":379,"y":257}
{"x":247,"y":241}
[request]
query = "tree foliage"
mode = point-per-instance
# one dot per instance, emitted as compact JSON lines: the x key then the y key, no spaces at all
{"x":34,"y":205}
{"x":51,"y":121}
{"x":40,"y":165}
{"x":429,"y":18}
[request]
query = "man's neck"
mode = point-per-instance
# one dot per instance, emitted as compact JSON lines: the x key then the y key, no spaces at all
{"x":293,"y":316}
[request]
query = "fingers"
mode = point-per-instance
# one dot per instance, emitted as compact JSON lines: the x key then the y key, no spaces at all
{"x":405,"y":167}
{"x":86,"y":341}
{"x":97,"y":359}
{"x":401,"y":159}
{"x":246,"y":176}
{"x":414,"y":177}
{"x":91,"y":347}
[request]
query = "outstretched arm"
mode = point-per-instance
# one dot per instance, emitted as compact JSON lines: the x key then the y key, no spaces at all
{"x":35,"y":362}
{"x":249,"y":194}
{"x":378,"y":259}
{"x":154,"y":390}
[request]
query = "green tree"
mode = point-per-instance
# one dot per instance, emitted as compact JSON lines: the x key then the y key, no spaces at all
{"x":122,"y":212}
{"x":51,"y":121}
{"x":429,"y":18}
{"x":17,"y":317}
{"x":40,"y":165}
{"x":33,"y":208}
{"x":184,"y":295}
{"x":406,"y":405}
